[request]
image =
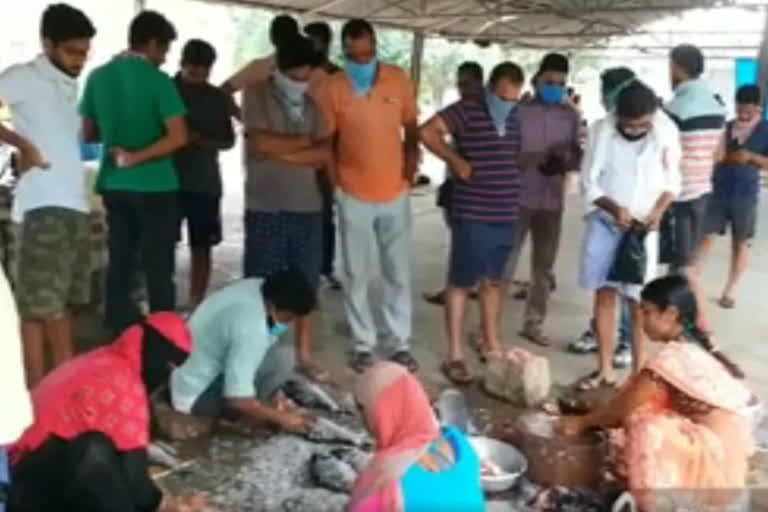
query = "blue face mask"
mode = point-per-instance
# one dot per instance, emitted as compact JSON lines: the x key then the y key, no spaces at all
{"x":499,"y":110}
{"x":550,"y":94}
{"x":277,"y":329}
{"x":362,"y":75}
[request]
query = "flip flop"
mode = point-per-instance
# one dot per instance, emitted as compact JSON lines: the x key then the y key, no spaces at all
{"x":476,"y":344}
{"x":594,"y":381}
{"x":457,"y":372}
{"x":534,"y":335}
{"x":727,"y":302}
{"x":404,"y":358}
{"x":436,"y":299}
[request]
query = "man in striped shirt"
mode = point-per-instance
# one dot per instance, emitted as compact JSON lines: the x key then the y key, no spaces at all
{"x":700,"y":116}
{"x":484,"y":211}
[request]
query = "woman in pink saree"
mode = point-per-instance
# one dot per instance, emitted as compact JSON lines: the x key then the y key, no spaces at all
{"x":682,"y":440}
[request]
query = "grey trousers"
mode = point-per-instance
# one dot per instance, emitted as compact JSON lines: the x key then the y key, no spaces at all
{"x":544,"y":227}
{"x":367,"y":228}
{"x":275,"y":371}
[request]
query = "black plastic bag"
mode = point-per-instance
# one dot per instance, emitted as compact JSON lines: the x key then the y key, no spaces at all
{"x":667,"y":239}
{"x":554,"y":165}
{"x":631,"y":260}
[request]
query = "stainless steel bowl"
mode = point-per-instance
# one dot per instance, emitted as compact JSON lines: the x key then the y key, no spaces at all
{"x":508,"y":458}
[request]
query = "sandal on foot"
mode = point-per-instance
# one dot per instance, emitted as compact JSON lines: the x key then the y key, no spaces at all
{"x":404,"y":358}
{"x":313,"y":373}
{"x":536,"y":336}
{"x":478,"y":347}
{"x":436,"y":299}
{"x":361,"y":361}
{"x":726,"y":302}
{"x":456,"y":372}
{"x":594,"y":381}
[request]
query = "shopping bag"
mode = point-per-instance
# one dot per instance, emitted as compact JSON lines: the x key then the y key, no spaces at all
{"x":667,"y":239}
{"x":630,"y":263}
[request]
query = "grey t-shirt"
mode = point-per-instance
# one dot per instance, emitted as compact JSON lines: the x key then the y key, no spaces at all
{"x":271,"y":185}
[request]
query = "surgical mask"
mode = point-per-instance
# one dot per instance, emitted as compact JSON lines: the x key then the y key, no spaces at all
{"x":550,"y":94}
{"x":277,"y":329}
{"x":499,"y":110}
{"x":292,"y":90}
{"x":632,"y":137}
{"x":362,"y":75}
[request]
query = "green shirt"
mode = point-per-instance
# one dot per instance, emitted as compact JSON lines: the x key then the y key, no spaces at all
{"x":130,"y":100}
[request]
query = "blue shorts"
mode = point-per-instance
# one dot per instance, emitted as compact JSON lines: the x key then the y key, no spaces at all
{"x":479,"y":250}
{"x":282,"y":240}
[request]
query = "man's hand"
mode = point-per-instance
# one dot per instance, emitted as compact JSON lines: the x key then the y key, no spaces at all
{"x":123,"y":158}
{"x":412,"y":159}
{"x":571,"y":426}
{"x":31,"y":158}
{"x":295,"y":421}
{"x":463,"y":170}
{"x":191,"y":502}
{"x":623,"y":218}
{"x":741,"y":156}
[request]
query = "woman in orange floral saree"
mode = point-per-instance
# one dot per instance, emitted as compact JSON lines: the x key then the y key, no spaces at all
{"x":683,"y":442}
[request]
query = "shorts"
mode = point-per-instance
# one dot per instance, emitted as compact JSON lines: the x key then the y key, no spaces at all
{"x":54,"y":268}
{"x":738,"y":213}
{"x":203,"y":215}
{"x":598,"y":253}
{"x":689,"y":219}
{"x":282,"y":240}
{"x":479,"y":250}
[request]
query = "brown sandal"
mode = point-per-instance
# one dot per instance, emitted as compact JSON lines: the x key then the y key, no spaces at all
{"x":594,"y":381}
{"x":456,"y":372}
{"x":536,"y":336}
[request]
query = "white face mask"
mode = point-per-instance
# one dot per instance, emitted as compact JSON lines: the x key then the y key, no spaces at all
{"x":292,"y":90}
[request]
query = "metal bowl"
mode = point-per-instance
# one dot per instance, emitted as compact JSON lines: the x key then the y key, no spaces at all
{"x":511,"y":461}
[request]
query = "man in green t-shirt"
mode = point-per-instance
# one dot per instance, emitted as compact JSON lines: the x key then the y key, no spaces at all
{"x":137,"y":112}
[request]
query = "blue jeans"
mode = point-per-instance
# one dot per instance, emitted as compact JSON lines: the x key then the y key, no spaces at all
{"x":5,"y":478}
{"x":625,"y":324}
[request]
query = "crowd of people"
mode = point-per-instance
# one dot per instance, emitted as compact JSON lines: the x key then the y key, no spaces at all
{"x":329,"y":148}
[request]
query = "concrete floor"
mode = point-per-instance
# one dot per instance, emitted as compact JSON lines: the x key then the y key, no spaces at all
{"x":739,"y":331}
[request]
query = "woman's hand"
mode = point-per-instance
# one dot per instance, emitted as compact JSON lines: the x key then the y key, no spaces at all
{"x":192,"y":502}
{"x":571,"y":426}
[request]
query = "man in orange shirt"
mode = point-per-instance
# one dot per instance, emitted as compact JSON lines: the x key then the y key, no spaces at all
{"x":371,"y":110}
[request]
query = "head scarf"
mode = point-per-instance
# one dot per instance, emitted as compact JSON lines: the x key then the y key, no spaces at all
{"x":101,"y":391}
{"x":693,"y":370}
{"x":403,"y":424}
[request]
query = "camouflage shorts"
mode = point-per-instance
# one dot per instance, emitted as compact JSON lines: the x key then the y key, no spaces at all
{"x":53,"y":262}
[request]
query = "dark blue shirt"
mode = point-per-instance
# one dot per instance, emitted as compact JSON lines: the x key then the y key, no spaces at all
{"x":743,"y":181}
{"x":492,"y":193}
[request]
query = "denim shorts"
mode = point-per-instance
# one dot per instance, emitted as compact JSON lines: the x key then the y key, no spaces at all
{"x":479,"y":250}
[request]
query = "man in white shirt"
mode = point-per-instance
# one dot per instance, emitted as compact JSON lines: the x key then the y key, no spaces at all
{"x":630,"y":176}
{"x":50,"y":201}
{"x":238,"y":362}
{"x":14,"y":397}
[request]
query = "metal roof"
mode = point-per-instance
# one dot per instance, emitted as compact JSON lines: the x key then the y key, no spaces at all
{"x":522,"y":23}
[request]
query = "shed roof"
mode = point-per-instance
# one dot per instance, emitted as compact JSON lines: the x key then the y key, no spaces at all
{"x":523,"y":23}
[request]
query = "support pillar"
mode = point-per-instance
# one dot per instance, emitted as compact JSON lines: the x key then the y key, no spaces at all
{"x":417,"y":57}
{"x":762,"y":59}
